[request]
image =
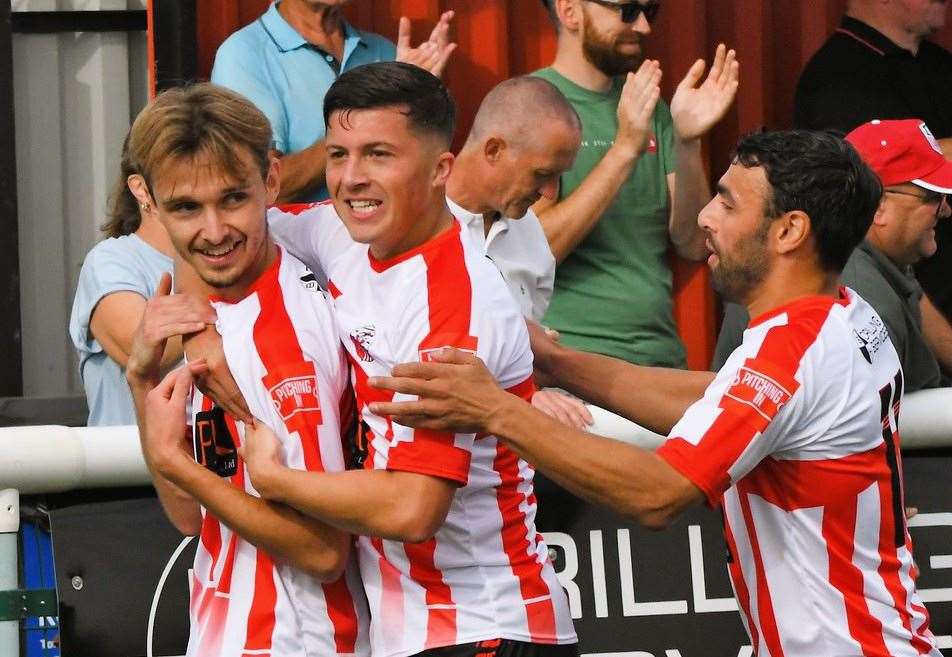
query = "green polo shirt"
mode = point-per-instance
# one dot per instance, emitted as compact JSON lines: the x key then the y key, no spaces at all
{"x":613,"y":293}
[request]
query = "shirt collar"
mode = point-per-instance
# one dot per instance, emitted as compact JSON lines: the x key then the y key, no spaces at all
{"x":869,"y":37}
{"x":899,"y":279}
{"x":286,"y":38}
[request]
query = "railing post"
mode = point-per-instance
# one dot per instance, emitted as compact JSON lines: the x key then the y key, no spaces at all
{"x":9,"y":568}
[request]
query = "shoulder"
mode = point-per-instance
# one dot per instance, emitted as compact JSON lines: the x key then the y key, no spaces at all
{"x":127,"y":253}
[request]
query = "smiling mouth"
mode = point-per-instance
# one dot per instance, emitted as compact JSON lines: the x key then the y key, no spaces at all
{"x":219,"y":252}
{"x":363,"y":206}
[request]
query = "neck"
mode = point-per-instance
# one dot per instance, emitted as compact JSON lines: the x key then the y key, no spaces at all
{"x":465,"y":185}
{"x":430,"y":223}
{"x":570,"y":62}
{"x":320,"y":25}
{"x":898,"y":35}
{"x":788,"y":282}
{"x":153,"y":233}
{"x":239,"y":290}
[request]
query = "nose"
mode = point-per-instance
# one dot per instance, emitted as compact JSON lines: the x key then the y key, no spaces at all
{"x":945,"y":210}
{"x":641,"y":25}
{"x":705,"y":216}
{"x":214,"y":229}
{"x":354,"y":173}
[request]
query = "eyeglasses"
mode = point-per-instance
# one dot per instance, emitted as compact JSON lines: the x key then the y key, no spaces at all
{"x":929,"y":197}
{"x":631,"y":10}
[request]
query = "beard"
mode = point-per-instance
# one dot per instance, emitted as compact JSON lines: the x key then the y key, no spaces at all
{"x":735,"y":277}
{"x":603,"y":54}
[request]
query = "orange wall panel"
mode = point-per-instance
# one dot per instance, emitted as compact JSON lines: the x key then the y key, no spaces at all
{"x":501,"y":38}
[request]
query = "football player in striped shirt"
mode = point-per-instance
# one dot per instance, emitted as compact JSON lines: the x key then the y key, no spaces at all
{"x":795,"y":438}
{"x":449,"y":555}
{"x":267,"y":580}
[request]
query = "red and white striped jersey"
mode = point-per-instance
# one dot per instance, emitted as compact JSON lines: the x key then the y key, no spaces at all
{"x":797,"y":438}
{"x":282,"y":347}
{"x":486,"y":573}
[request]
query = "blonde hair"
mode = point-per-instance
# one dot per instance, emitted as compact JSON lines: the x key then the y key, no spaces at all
{"x":183,"y":122}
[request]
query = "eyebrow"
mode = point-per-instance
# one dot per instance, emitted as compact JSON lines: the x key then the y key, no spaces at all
{"x":376,"y":144}
{"x":726,"y":193}
{"x":175,"y":200}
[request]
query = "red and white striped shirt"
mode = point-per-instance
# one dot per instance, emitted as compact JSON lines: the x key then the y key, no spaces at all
{"x":282,"y":347}
{"x":797,"y":438}
{"x":486,"y":573}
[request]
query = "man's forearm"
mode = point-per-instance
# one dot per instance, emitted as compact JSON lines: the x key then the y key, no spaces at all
{"x":654,"y":397}
{"x":628,"y":479}
{"x":302,"y":172}
{"x":398,"y":506}
{"x":568,"y":222}
{"x":283,"y":532}
{"x":691,"y":194}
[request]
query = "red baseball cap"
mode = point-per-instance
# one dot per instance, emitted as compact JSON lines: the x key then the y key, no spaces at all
{"x":903,"y":152}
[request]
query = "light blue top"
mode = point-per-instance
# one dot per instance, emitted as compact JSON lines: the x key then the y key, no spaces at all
{"x":120,"y":264}
{"x":272,"y":65}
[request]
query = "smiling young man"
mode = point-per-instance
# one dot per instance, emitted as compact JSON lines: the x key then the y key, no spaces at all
{"x":266,"y":579}
{"x":795,"y":438}
{"x":449,"y":554}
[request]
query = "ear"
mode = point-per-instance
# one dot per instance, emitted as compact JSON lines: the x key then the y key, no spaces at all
{"x":880,"y":218}
{"x":791,"y":231}
{"x":444,"y":166}
{"x":493,"y":149}
{"x":272,"y":181}
{"x":138,"y":187}
{"x":569,"y":13}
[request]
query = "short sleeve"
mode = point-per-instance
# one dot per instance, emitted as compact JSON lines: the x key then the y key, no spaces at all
{"x":239,"y":68}
{"x":311,"y":232}
{"x":108,"y":268}
{"x":734,"y":426}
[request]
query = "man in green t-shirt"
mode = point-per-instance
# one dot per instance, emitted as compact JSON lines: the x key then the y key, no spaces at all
{"x":637,"y":185}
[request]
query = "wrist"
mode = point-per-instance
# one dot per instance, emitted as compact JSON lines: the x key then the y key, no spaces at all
{"x":622,"y":152}
{"x":503,"y":417}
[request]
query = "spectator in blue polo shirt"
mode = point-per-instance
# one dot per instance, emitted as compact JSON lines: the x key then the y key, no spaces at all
{"x":285,"y":61}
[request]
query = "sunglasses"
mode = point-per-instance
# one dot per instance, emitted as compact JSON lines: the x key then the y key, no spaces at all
{"x":631,"y":10}
{"x":927,"y":198}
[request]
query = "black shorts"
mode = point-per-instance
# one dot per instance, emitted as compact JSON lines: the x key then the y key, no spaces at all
{"x":503,"y":648}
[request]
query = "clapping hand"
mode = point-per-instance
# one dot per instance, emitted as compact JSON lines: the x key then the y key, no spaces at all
{"x":696,"y":109}
{"x":434,"y":53}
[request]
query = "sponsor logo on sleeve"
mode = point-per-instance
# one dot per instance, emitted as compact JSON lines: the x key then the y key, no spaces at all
{"x":759,"y":391}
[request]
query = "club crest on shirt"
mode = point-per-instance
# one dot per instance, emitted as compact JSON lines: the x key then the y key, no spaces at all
{"x":293,"y":390}
{"x":362,"y":338}
{"x":759,"y":391}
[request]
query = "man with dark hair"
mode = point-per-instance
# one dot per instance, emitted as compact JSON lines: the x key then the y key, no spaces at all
{"x":450,"y":558}
{"x":796,"y":437}
{"x":636,"y":186}
{"x":911,"y":165}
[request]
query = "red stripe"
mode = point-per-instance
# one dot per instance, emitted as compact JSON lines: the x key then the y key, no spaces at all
{"x":440,"y":623}
{"x":740,"y":585}
{"x":839,"y":531}
{"x":281,"y":354}
{"x":391,"y":597}
{"x":298,"y":208}
{"x":540,"y":613}
{"x":765,"y":611}
{"x":261,"y":616}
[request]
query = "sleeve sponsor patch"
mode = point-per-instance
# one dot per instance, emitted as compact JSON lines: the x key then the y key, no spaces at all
{"x":758,"y":391}
{"x":293,"y":390}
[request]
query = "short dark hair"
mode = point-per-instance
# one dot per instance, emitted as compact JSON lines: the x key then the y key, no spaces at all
{"x":822,"y":175}
{"x":429,"y":106}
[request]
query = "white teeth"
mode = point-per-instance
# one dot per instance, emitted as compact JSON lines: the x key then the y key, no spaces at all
{"x":220,"y":251}
{"x":363,"y":205}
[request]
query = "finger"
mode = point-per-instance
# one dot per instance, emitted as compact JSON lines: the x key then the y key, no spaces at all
{"x":454,"y":356}
{"x":183,"y":385}
{"x":443,"y":60}
{"x":729,"y":69}
{"x":440,"y":32}
{"x":164,"y":288}
{"x":717,"y":66}
{"x":421,"y":422}
{"x":402,"y":408}
{"x":404,"y":385}
{"x":178,"y":328}
{"x":692,"y":76}
{"x":403,"y":35}
{"x":167,"y":385}
{"x":198,"y":367}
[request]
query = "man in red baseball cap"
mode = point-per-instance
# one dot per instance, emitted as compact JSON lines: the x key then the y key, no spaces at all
{"x":916,"y":178}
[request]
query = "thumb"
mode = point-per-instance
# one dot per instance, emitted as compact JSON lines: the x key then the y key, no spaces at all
{"x":164,"y":287}
{"x":693,"y":75}
{"x":183,"y":385}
